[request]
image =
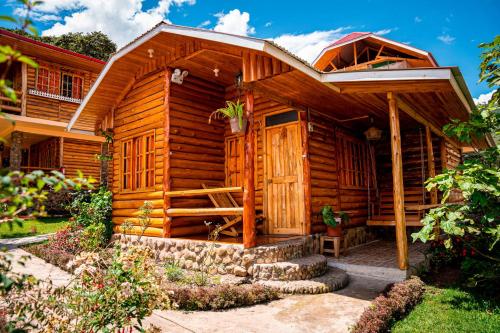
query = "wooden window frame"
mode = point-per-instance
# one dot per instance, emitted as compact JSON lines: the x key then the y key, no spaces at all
{"x":57,"y":87}
{"x":54,"y":89}
{"x":139,"y":174}
{"x":72,"y":90}
{"x":352,"y":162}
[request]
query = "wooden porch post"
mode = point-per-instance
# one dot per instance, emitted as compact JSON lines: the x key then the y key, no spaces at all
{"x":397,"y":182}
{"x":167,"y":220}
{"x":24,"y":87}
{"x":306,"y":166}
{"x":249,"y":234}
{"x":431,"y":162}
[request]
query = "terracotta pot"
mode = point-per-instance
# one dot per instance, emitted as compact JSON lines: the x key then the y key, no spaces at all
{"x":335,"y":232}
{"x":235,"y":125}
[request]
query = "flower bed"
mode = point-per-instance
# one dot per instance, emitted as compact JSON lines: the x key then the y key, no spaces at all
{"x":392,"y":305}
{"x":218,"y":297}
{"x":184,"y":288}
{"x":55,"y":257}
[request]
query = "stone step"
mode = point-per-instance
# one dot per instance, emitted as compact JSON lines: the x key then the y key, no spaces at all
{"x":296,"y":269}
{"x":290,"y":249}
{"x":333,"y":279}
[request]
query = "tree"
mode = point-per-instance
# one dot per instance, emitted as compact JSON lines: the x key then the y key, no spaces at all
{"x":475,"y":222}
{"x":93,"y":44}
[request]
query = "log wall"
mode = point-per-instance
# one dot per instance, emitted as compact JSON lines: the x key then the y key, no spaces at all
{"x":140,"y":111}
{"x":53,"y":109}
{"x":197,"y":148}
{"x":81,"y":155}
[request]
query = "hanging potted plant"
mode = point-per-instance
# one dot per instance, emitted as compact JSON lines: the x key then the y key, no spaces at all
{"x":233,"y":111}
{"x":334,"y":221}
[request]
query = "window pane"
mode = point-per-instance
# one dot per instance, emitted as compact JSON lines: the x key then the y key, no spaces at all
{"x":281,"y":118}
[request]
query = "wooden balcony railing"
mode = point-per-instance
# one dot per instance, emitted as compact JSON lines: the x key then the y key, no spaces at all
{"x":7,"y":105}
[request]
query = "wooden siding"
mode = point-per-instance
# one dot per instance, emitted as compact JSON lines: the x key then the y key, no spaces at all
{"x":140,"y":111}
{"x":53,"y":109}
{"x":81,"y":155}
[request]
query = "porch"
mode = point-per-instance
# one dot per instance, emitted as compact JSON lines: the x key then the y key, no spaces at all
{"x":376,"y":259}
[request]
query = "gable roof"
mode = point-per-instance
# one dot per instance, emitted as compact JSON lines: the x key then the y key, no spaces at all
{"x":121,"y":67}
{"x":349,"y":37}
{"x":358,"y":36}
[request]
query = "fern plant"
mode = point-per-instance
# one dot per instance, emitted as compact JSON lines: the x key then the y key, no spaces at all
{"x":232,"y":110}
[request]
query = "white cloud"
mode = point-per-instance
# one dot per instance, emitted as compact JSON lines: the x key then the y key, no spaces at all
{"x":383,"y":32}
{"x":234,"y":22}
{"x":121,"y":20}
{"x":268,"y":24}
{"x":418,"y":19}
{"x":204,"y":24}
{"x":483,"y":98}
{"x":308,"y":46}
{"x":445,"y":38}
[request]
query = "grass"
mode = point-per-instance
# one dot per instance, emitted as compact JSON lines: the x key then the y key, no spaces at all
{"x":39,"y":226}
{"x":446,"y":310}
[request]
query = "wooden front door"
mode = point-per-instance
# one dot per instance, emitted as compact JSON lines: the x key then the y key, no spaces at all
{"x":285,"y":194}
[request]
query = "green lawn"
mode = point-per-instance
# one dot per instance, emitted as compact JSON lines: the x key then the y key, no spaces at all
{"x":450,"y":310}
{"x":40,"y":226}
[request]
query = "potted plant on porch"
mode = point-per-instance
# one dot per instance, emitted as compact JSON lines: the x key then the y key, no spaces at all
{"x":233,"y":111}
{"x":334,"y":221}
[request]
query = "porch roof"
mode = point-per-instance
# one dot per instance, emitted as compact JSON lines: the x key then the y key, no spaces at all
{"x":342,"y":94}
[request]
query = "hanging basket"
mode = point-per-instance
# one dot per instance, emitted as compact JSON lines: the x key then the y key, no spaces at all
{"x":235,"y":125}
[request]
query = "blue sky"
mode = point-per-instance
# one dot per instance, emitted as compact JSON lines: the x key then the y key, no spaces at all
{"x":451,"y":30}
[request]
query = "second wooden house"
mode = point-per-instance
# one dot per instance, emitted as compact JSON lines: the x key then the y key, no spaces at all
{"x":48,"y":96}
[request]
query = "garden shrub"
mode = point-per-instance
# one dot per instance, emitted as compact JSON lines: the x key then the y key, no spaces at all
{"x":392,"y":305}
{"x":89,"y":208}
{"x":57,"y":203}
{"x":68,"y":239}
{"x":218,"y":297}
{"x":173,"y":271}
{"x":55,"y":257}
{"x":93,"y":237}
{"x":110,"y":293}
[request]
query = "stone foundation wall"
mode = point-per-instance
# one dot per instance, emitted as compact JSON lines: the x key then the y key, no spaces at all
{"x":359,"y":235}
{"x":222,"y":258}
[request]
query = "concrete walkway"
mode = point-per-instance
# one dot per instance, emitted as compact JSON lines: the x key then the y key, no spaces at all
{"x":332,"y":312}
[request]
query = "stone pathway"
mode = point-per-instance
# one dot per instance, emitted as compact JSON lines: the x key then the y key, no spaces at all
{"x":330,"y":312}
{"x":11,"y":243}
{"x":39,"y":268}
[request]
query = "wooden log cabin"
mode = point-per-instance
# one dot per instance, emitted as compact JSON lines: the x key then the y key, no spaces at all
{"x":48,"y":96}
{"x":358,"y":131}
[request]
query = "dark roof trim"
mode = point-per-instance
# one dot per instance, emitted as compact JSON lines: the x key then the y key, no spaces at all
{"x":49,"y":46}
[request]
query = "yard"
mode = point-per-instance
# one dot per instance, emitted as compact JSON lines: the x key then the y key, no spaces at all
{"x":446,"y":310}
{"x":39,"y":226}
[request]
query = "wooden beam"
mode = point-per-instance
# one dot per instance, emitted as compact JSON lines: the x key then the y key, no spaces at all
{"x":61,"y":152}
{"x":167,"y":221}
{"x":355,"y":54}
{"x":416,"y":116}
{"x":306,"y":167}
{"x":24,"y":87}
{"x":379,"y":52}
{"x":431,"y":163}
{"x":397,"y":182}
{"x":171,"y":212}
{"x":190,"y":193}
{"x":249,"y":231}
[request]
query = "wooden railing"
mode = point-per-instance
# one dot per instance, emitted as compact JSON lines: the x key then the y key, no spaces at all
{"x":213,"y":211}
{"x":7,"y":105}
